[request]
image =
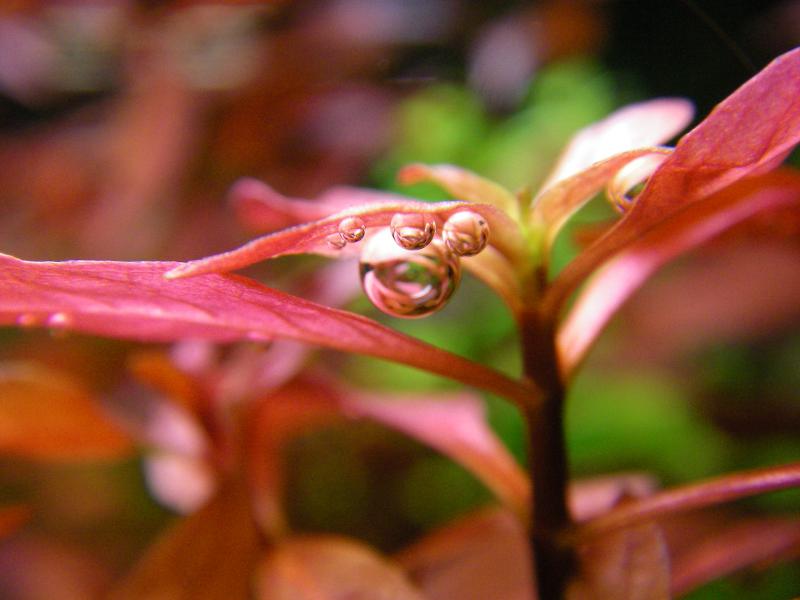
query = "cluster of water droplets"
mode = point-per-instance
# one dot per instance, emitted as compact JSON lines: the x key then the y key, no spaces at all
{"x":406,"y":270}
{"x":57,"y":322}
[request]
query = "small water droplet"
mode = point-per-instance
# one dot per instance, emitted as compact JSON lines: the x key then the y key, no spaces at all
{"x":412,"y":231}
{"x":27,"y":320}
{"x":352,"y":229}
{"x":59,"y":319}
{"x":466,"y":233}
{"x":408,"y":284}
{"x":336,"y":241}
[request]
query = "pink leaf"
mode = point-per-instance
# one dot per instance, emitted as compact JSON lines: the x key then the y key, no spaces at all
{"x":631,"y":127}
{"x":480,"y":557}
{"x":456,"y":426}
{"x":698,"y":223}
{"x":329,"y":568}
{"x":311,"y":237}
{"x":134,"y":301}
{"x":747,"y":134}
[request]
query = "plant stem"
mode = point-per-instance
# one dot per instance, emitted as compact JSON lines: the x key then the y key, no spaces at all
{"x":553,"y":562}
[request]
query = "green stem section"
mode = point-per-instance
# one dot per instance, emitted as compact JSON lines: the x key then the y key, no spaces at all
{"x":553,"y":562}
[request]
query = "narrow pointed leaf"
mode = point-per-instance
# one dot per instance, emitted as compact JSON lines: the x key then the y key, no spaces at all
{"x":311,"y":237}
{"x":134,"y":301}
{"x":481,"y":556}
{"x":45,"y":414}
{"x":456,"y":426}
{"x":749,"y":133}
{"x":330,"y":568}
{"x":698,"y":223}
{"x":462,"y":185}
{"x":207,"y":556}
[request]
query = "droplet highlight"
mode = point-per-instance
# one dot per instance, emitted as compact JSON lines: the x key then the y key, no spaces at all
{"x":335,"y":241}
{"x":352,"y":229}
{"x":412,"y":231}
{"x":466,"y":233}
{"x":59,"y":320}
{"x":27,"y":320}
{"x":408,"y":284}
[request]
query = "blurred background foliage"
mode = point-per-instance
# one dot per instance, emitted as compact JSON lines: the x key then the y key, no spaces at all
{"x":123,"y":124}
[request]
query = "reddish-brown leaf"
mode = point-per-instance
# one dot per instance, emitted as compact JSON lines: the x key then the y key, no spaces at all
{"x":133,"y":300}
{"x":456,"y":426}
{"x":632,"y":564}
{"x":747,"y":134}
{"x":330,"y":568}
{"x":47,"y":415}
{"x":482,"y":556}
{"x":12,"y":517}
{"x":210,"y":555}
{"x":747,"y":543}
{"x":696,"y":224}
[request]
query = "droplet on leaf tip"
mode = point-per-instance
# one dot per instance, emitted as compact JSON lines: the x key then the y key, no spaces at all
{"x":466,"y":233}
{"x":407,"y":284}
{"x":412,"y":231}
{"x":352,"y":229}
{"x":336,"y":241}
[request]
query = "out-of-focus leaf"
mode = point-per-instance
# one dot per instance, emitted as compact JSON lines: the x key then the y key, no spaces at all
{"x":752,"y":542}
{"x":456,"y":426}
{"x":45,"y":414}
{"x":592,"y":497}
{"x":207,"y":556}
{"x":631,"y":127}
{"x":632,"y":564}
{"x":482,"y":556}
{"x":155,"y":369}
{"x":12,"y":517}
{"x":462,"y":184}
{"x":749,"y":133}
{"x":311,"y":237}
{"x":696,"y":224}
{"x":330,"y":568}
{"x":133,"y":300}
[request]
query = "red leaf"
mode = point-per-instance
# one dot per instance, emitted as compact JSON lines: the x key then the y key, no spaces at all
{"x":483,"y":556}
{"x":622,"y":275}
{"x":311,"y":237}
{"x":330,"y":568}
{"x":133,"y":300}
{"x":207,"y":556}
{"x":456,"y":426}
{"x":46,"y":415}
{"x":747,"y":134}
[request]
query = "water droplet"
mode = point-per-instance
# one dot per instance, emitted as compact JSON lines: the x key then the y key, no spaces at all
{"x":59,"y":320}
{"x":466,"y":233}
{"x":412,"y":231}
{"x":408,"y":284}
{"x":27,"y":320}
{"x":336,"y":241}
{"x":352,"y":229}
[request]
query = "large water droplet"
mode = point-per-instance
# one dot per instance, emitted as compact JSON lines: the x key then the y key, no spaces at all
{"x":466,"y":233}
{"x":352,"y":229}
{"x":412,"y":231}
{"x":408,"y":284}
{"x":336,"y":241}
